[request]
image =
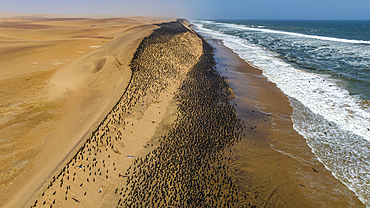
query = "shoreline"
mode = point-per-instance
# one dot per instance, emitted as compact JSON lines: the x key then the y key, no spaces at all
{"x":280,"y":146}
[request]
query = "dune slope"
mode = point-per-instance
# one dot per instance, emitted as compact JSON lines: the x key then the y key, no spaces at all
{"x":90,"y":177}
{"x":59,"y":78}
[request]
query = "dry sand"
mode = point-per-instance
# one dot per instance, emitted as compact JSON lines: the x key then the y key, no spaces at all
{"x":86,"y":150}
{"x":59,"y":78}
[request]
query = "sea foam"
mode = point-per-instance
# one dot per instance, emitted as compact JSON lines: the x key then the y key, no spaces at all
{"x":325,"y":102}
{"x":319,"y":93}
{"x":262,"y":29}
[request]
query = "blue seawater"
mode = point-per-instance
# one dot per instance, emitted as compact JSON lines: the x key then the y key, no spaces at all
{"x":324,"y":69}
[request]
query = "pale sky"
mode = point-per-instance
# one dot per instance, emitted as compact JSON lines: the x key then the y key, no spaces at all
{"x":199,"y":9}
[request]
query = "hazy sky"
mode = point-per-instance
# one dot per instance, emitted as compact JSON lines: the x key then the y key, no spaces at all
{"x":199,"y":9}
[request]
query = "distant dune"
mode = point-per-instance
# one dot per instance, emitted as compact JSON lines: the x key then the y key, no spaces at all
{"x":13,"y":14}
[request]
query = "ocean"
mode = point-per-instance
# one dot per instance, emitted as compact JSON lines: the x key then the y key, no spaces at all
{"x":324,"y":69}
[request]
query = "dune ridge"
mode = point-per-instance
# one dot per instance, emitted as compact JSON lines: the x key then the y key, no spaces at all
{"x":43,"y":118}
{"x":89,"y":178}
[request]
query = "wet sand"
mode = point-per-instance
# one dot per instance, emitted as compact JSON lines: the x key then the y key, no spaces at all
{"x":276,"y":168}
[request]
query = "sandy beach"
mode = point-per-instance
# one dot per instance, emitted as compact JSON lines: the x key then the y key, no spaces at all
{"x":143,"y":112}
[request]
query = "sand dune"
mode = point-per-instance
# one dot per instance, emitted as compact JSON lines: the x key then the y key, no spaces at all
{"x":55,"y":88}
{"x":91,"y":174}
{"x":4,"y":14}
